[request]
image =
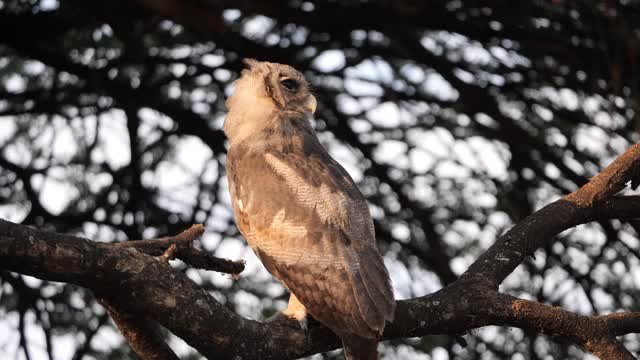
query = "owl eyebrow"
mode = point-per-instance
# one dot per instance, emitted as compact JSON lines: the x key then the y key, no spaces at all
{"x":269,"y":89}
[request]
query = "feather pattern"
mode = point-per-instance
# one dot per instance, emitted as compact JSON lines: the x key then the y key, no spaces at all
{"x":305,"y":218}
{"x":301,"y":212}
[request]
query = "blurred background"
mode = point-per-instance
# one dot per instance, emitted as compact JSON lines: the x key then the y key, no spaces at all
{"x":457,"y":119}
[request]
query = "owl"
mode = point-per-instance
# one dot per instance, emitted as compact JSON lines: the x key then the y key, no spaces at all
{"x":301,"y":212}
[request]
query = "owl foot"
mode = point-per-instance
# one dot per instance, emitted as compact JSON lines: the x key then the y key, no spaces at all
{"x":300,"y":316}
{"x":295,"y":310}
{"x":280,"y":318}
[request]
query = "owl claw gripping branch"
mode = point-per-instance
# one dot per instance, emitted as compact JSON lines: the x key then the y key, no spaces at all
{"x":301,"y":212}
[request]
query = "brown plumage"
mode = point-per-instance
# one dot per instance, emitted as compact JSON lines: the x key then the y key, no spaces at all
{"x":301,"y":212}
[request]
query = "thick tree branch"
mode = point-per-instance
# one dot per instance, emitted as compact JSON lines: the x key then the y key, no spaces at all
{"x":593,"y":201}
{"x":594,"y":333}
{"x":144,"y":285}
{"x":623,"y":323}
{"x":137,"y":282}
{"x":143,"y":337}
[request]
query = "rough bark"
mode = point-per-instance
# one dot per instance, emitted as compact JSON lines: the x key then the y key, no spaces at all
{"x":145,"y":338}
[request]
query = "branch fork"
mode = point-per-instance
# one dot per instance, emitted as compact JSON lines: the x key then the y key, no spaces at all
{"x":182,"y":247}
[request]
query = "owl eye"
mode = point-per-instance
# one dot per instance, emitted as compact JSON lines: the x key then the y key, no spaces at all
{"x":290,"y":84}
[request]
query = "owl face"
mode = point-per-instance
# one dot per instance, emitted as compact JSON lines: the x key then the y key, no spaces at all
{"x":280,"y":84}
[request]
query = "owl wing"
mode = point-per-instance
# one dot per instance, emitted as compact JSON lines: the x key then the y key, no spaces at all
{"x":310,"y":226}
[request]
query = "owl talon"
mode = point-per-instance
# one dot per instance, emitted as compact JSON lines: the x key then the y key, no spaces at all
{"x":287,"y":320}
{"x":296,"y":311}
{"x":300,"y":317}
{"x":304,"y":324}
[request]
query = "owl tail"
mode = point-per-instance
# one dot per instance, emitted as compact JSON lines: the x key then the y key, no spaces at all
{"x":359,"y":348}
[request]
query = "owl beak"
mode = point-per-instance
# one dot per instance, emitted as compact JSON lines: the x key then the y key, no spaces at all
{"x":311,"y":104}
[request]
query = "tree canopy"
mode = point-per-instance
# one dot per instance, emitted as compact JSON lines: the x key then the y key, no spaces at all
{"x":457,"y":119}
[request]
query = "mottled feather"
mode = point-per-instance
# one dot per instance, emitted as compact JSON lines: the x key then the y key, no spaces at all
{"x":311,"y":228}
{"x":302,"y":213}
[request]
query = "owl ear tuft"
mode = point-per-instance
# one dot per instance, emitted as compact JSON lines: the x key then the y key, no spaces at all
{"x":249,"y":63}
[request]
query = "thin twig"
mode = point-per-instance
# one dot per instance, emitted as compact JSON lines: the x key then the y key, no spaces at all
{"x":185,"y":251}
{"x":169,"y":254}
{"x":184,"y":238}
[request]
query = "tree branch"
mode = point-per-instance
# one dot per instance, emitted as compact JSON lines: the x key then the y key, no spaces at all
{"x":143,"y":337}
{"x":140,"y":284}
{"x":593,"y":201}
{"x":136,"y":282}
{"x":609,"y":181}
{"x":622,"y":323}
{"x":594,"y":333}
{"x":185,"y":251}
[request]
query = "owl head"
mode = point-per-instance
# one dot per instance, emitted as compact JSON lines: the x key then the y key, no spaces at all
{"x":278,"y":85}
